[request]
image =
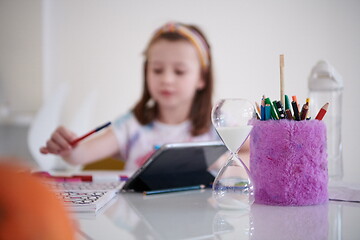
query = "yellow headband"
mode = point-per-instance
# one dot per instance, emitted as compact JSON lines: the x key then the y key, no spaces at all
{"x":194,"y":37}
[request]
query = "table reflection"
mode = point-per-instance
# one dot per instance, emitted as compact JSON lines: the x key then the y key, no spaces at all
{"x":194,"y":215}
{"x":279,"y":222}
{"x":232,"y":224}
{"x":183,"y":215}
{"x":273,"y":222}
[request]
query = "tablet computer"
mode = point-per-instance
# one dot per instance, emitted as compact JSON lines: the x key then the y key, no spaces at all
{"x":177,"y":165}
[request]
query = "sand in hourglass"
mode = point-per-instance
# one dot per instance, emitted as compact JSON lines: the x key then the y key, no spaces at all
{"x":233,"y":137}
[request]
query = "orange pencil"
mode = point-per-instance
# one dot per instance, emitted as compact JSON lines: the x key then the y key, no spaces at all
{"x":294,"y":98}
{"x":322,"y":112}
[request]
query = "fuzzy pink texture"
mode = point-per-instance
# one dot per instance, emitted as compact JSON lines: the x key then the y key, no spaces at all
{"x":288,"y":162}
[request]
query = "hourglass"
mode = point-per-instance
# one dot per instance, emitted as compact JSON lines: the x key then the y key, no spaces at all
{"x":232,"y":187}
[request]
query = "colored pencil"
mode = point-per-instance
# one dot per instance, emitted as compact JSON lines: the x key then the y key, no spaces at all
{"x":304,"y":111}
{"x":179,"y":189}
{"x":308,"y":112}
{"x":272,"y":109}
{"x":289,"y":114}
{"x":282,"y":87}
{"x":257,"y":111}
{"x":287,"y":102}
{"x":296,"y":110}
{"x":262,"y":109}
{"x":294,"y":98}
{"x":76,"y":141}
{"x":257,"y":107}
{"x":267,"y":111}
{"x":322,"y":112}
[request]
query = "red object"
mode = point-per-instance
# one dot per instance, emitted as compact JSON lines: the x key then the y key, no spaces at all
{"x":73,"y":143}
{"x":81,"y":178}
{"x":84,"y":178}
{"x":322,"y":112}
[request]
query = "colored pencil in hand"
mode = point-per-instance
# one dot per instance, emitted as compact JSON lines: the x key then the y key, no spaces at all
{"x":76,"y":141}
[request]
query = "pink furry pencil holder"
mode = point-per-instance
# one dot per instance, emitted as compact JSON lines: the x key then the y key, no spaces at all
{"x":288,"y":162}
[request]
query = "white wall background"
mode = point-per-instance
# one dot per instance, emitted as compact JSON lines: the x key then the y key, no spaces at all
{"x":96,"y":46}
{"x":20,"y":55}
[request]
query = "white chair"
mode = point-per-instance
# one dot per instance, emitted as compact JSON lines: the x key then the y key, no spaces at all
{"x":46,"y":121}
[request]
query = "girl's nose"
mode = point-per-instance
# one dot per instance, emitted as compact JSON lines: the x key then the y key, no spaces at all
{"x":167,"y":77}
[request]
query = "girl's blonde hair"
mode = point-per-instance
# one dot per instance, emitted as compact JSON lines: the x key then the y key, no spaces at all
{"x":201,"y":107}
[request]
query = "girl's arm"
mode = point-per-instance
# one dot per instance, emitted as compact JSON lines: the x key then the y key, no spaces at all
{"x":103,"y":145}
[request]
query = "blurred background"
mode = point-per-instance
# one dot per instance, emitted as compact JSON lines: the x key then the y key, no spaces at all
{"x":79,"y":62}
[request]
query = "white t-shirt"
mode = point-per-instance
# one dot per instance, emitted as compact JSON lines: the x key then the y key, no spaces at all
{"x":137,"y":142}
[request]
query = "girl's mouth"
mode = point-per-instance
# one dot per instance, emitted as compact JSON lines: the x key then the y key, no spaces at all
{"x":166,"y":93}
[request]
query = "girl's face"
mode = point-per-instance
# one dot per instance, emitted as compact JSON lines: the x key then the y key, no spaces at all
{"x":173,"y":73}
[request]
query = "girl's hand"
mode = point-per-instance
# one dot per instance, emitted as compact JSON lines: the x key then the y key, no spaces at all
{"x":59,"y":143}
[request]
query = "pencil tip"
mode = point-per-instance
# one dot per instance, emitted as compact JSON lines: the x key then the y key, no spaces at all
{"x":326,"y":106}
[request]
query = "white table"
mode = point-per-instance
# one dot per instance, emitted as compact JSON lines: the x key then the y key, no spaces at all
{"x":194,"y":215}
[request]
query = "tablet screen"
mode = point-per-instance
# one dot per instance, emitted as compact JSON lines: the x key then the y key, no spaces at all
{"x":177,"y":165}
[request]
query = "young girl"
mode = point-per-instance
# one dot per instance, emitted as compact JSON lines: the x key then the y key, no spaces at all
{"x":175,"y":105}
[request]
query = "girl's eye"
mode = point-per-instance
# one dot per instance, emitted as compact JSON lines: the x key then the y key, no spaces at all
{"x":179,"y":72}
{"x":157,"y":70}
